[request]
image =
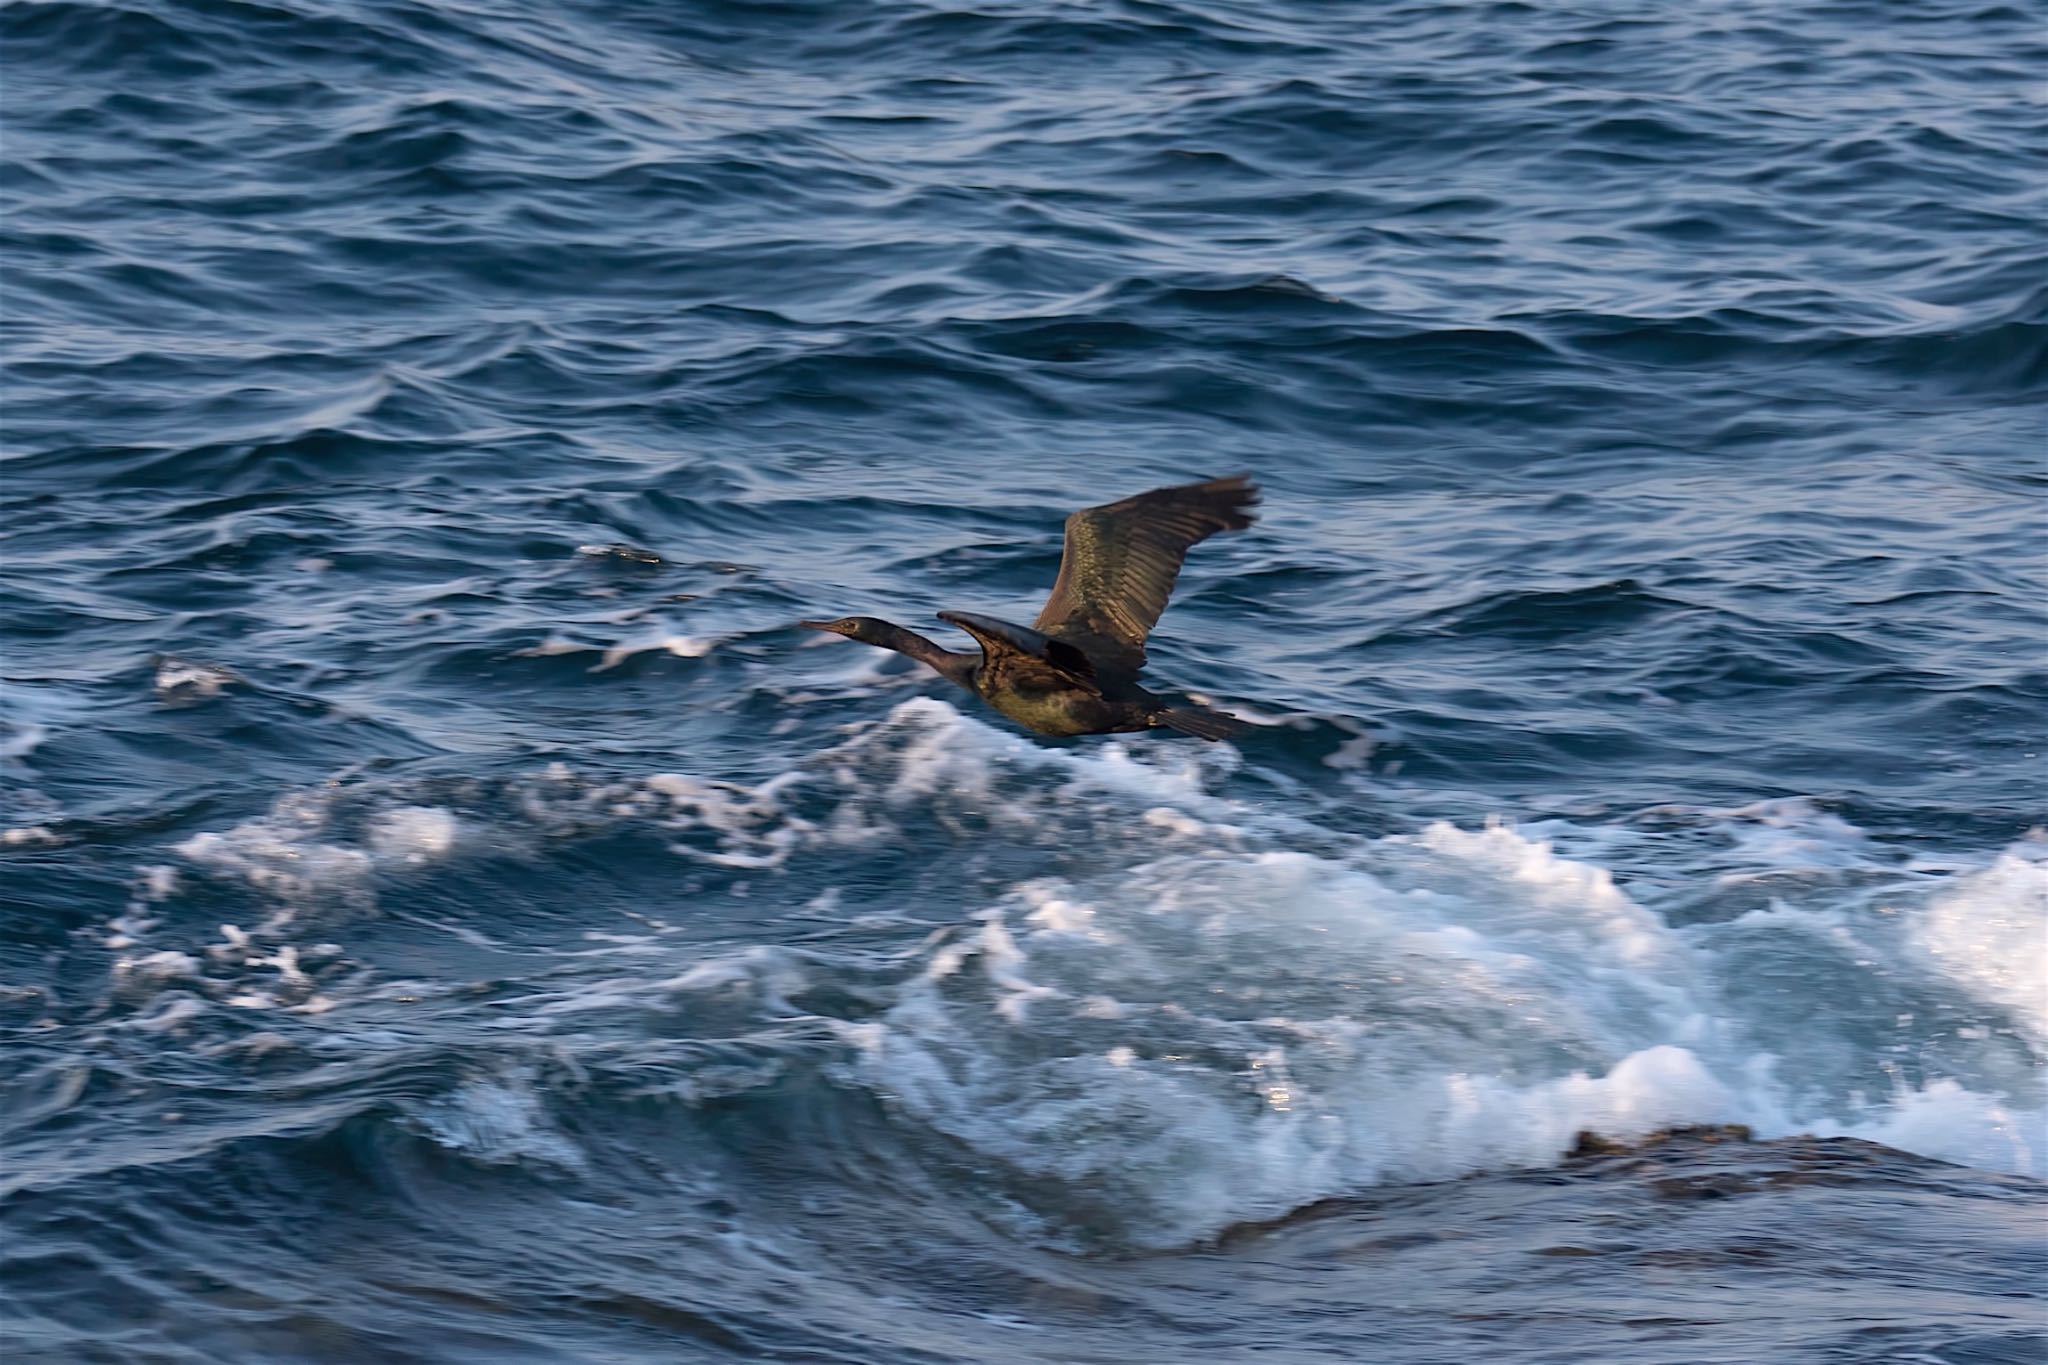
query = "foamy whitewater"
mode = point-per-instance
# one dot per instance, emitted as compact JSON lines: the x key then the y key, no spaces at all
{"x":1209,"y":1015}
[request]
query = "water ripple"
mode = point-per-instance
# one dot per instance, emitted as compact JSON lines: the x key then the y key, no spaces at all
{"x":458,"y":917}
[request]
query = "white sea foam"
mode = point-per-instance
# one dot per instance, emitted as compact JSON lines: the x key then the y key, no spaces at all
{"x":1948,"y":1120}
{"x":156,"y":967}
{"x":20,"y":738}
{"x":662,"y":641}
{"x":307,"y":864}
{"x":1791,"y":834}
{"x":659,"y":640}
{"x":1213,"y":1040}
{"x":1223,"y":1034}
{"x":933,"y":748}
{"x":295,"y":854}
{"x":168,"y":1013}
{"x":497,"y":1119}
{"x":181,"y":681}
{"x":1989,"y":934}
{"x":282,"y":855}
{"x":413,"y":834}
{"x":1211,"y":1017}
{"x":555,"y":645}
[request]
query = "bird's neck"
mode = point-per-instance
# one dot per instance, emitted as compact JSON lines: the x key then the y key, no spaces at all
{"x":958,"y":667}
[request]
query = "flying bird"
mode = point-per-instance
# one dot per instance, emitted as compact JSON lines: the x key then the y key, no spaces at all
{"x":1074,"y":671}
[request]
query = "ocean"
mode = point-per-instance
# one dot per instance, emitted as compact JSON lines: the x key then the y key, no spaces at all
{"x":450,"y":913}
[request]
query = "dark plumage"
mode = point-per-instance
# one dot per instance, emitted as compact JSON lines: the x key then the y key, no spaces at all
{"x":1074,"y":671}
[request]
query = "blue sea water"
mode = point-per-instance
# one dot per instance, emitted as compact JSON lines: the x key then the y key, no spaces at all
{"x":452,"y":915}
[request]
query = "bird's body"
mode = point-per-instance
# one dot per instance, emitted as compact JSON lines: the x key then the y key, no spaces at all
{"x":1074,"y":671}
{"x":1052,"y":703}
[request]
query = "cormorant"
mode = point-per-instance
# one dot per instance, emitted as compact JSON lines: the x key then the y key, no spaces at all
{"x":1074,"y":671}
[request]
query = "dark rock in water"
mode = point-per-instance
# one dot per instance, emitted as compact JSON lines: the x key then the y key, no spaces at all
{"x":1703,"y":1234}
{"x":1590,"y":1144}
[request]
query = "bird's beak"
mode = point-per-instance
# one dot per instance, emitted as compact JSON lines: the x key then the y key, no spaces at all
{"x":817,"y":625}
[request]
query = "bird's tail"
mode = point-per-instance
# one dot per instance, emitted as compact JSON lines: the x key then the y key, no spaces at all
{"x":1194,"y":720}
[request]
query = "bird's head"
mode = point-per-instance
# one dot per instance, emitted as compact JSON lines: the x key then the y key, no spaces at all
{"x":869,"y":630}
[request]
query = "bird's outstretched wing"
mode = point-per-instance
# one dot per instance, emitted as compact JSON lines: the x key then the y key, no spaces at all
{"x":1122,"y":560}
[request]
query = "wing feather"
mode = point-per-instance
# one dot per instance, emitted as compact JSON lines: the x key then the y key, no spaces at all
{"x":1123,"y":558}
{"x":1027,"y":656}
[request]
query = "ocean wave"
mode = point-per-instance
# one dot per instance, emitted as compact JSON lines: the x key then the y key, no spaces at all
{"x":458,"y":916}
{"x":1189,"y":1014}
